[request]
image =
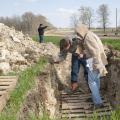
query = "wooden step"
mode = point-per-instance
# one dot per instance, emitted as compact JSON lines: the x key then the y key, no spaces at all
{"x":7,"y":84}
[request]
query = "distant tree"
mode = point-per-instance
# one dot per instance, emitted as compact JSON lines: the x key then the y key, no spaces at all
{"x":74,"y":20}
{"x":28,"y":22}
{"x":86,"y":15}
{"x":103,"y":13}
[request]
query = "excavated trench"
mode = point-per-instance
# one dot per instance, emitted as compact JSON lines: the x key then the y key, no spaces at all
{"x":49,"y":94}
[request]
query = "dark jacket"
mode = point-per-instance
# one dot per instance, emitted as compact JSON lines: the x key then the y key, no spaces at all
{"x":41,"y":30}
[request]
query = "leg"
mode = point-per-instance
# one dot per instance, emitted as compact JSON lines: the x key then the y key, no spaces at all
{"x":74,"y":72}
{"x":74,"y":68}
{"x":93,"y":80}
{"x":41,"y":38}
{"x":83,"y":62}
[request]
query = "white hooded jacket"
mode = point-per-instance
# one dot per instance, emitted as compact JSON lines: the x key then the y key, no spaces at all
{"x":94,"y":48}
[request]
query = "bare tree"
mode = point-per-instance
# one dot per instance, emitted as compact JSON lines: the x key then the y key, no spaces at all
{"x":74,"y":20}
{"x":86,"y":15}
{"x":28,"y":22}
{"x":103,"y":13}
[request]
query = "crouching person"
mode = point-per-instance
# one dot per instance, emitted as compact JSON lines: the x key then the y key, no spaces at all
{"x":72,"y":45}
{"x":96,"y":61}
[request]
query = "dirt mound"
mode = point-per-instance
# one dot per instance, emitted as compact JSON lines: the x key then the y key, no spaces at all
{"x":18,"y":51}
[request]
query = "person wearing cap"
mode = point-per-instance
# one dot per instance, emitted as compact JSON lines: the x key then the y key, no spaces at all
{"x":41,"y":29}
{"x":96,"y":61}
{"x":73,"y":45}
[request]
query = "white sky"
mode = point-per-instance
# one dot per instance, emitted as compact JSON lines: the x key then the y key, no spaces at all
{"x":58,"y":12}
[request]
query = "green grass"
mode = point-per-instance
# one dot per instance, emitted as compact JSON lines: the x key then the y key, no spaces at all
{"x":113,"y":43}
{"x":54,"y":39}
{"x":25,"y":83}
{"x":33,"y":117}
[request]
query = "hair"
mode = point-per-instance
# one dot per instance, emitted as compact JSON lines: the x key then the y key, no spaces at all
{"x":63,"y":43}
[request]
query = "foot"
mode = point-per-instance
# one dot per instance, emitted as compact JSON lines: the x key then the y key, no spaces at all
{"x":99,"y":106}
{"x":89,"y":100}
{"x":74,"y":86}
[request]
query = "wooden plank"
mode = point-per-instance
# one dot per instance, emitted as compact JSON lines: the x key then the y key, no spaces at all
{"x":8,"y":77}
{"x":100,"y":114}
{"x":74,"y":111}
{"x":7,"y":84}
{"x":76,"y":97}
{"x":65,"y":107}
{"x":4,"y":87}
{"x":84,"y":111}
{"x":80,"y":101}
{"x":73,"y":115}
{"x":75,"y":93}
{"x":73,"y":104}
{"x":80,"y":95}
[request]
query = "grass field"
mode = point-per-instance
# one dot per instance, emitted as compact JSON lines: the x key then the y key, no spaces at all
{"x":55,"y":40}
{"x":112,"y":42}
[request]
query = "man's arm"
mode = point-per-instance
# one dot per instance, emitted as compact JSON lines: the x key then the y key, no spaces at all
{"x":61,"y":57}
{"x":93,"y":48}
{"x":44,"y":27}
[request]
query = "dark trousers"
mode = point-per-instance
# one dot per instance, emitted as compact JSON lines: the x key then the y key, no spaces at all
{"x":41,"y":38}
{"x":76,"y":66}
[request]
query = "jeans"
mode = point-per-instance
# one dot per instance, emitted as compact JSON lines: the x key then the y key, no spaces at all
{"x":76,"y":66}
{"x":41,"y":38}
{"x":94,"y":85}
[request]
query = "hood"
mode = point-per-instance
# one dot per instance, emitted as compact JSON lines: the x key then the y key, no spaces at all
{"x":81,"y":29}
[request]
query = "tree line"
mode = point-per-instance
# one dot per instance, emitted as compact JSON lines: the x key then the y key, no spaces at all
{"x":27,"y":23}
{"x":86,"y":15}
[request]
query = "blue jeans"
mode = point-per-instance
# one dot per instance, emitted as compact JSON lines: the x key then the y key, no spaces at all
{"x":76,"y":66}
{"x":41,"y":38}
{"x":94,"y":85}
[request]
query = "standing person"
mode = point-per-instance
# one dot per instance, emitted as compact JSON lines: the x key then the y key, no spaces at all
{"x":41,"y":32}
{"x":96,"y":61}
{"x":78,"y":58}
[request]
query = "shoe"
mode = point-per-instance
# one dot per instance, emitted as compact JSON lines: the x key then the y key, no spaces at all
{"x":99,"y":106}
{"x":89,"y":100}
{"x":95,"y":107}
{"x":74,"y":86}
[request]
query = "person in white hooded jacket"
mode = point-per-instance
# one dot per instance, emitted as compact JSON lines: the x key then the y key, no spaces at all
{"x":96,"y":61}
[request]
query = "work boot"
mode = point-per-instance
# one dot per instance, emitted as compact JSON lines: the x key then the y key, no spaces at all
{"x":99,"y":106}
{"x":89,"y":100}
{"x":74,"y":86}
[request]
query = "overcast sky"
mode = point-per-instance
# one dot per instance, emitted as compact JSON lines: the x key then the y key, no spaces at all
{"x":58,"y":12}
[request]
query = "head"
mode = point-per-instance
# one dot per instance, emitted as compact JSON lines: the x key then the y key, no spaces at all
{"x":41,"y":24}
{"x":81,"y":30}
{"x":64,"y":44}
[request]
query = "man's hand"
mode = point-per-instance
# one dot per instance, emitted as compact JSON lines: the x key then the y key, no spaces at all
{"x":52,"y":61}
{"x":80,"y":56}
